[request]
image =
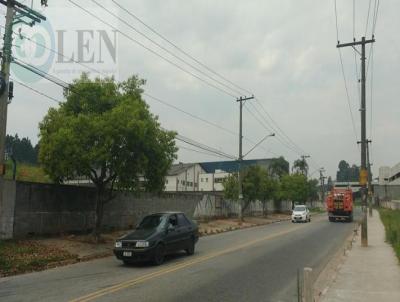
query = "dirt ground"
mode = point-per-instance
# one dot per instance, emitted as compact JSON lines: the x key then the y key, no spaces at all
{"x":85,"y":249}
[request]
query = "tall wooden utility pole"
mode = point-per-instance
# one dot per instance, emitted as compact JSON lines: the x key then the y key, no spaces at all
{"x":363,"y":171}
{"x":240,"y":159}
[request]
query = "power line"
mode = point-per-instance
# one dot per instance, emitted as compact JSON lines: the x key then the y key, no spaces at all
{"x":366,"y":25}
{"x":377,"y":2}
{"x":204,"y":147}
{"x":200,"y":152}
{"x":41,"y":73}
{"x":347,"y":94}
{"x":179,"y":48}
{"x":275,"y":126}
{"x":268,"y":129}
{"x":189,"y":114}
{"x":58,"y":53}
{"x":212,"y":151}
{"x":154,"y":52}
{"x":165,"y":49}
{"x":337,"y":28}
{"x":37,"y":91}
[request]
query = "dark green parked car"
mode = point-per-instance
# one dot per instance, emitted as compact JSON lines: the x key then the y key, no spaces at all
{"x":156,"y":236}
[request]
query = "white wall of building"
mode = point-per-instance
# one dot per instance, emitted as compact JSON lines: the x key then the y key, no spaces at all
{"x":384,"y":174}
{"x":212,"y":181}
{"x":186,"y":180}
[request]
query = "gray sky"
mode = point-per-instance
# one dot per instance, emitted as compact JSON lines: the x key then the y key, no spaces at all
{"x":282,"y":51}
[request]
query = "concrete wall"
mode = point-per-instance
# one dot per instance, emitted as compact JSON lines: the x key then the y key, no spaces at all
{"x":7,"y":203}
{"x":42,"y":209}
{"x":394,"y":204}
{"x":387,"y":192}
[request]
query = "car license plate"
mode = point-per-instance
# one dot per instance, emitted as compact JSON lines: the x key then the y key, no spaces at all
{"x":127,"y":254}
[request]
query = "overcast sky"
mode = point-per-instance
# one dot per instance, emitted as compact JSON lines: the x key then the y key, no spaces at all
{"x":282,"y":51}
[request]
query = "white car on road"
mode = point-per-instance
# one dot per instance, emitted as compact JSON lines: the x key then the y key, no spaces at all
{"x":301,"y":214}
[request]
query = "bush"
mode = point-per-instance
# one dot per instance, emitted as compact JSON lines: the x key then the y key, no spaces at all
{"x":391,"y":221}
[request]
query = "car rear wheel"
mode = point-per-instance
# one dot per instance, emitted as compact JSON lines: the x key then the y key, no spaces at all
{"x":159,"y":254}
{"x":190,"y":248}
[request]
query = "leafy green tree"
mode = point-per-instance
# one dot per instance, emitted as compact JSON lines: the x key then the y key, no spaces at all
{"x":295,"y":188}
{"x":300,"y":166}
{"x":269,"y":189}
{"x":278,"y":167}
{"x":105,"y":131}
{"x":347,"y":173}
{"x":313,"y":189}
{"x":255,"y":186}
{"x":231,"y":187}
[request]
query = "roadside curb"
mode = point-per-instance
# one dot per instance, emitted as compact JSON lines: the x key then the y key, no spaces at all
{"x":231,"y":229}
{"x":331,"y":269}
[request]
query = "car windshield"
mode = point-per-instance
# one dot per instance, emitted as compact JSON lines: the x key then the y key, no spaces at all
{"x":151,"y":222}
{"x":299,"y":208}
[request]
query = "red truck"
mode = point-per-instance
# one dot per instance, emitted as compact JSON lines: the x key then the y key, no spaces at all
{"x":339,"y":204}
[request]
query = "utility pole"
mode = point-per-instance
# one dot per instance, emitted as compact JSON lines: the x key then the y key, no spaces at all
{"x":5,"y":76}
{"x":16,"y":13}
{"x":322,"y":181}
{"x":363,"y":171}
{"x":240,"y":159}
{"x":369,"y":181}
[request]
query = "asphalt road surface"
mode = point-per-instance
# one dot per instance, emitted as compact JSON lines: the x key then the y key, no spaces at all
{"x":255,"y":264}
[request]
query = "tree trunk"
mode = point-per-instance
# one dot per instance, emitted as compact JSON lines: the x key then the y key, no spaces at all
{"x":98,"y":218}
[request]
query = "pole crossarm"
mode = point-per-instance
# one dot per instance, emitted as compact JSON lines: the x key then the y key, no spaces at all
{"x":355,"y":43}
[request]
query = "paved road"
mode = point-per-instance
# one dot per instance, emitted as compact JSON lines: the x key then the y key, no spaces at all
{"x":257,"y":264}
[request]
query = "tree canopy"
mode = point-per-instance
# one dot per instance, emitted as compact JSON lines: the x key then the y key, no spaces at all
{"x":279,"y":167}
{"x":105,"y":131}
{"x":347,"y":173}
{"x":300,"y":166}
{"x":21,"y":149}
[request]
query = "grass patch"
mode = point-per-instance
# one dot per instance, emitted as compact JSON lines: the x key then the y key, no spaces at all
{"x":24,"y":256}
{"x":317,"y":210}
{"x":27,"y":172}
{"x":391,"y":221}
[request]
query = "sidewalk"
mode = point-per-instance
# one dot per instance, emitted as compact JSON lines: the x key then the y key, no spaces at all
{"x":368,"y":274}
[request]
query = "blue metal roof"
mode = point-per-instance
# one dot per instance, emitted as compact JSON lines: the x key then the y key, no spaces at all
{"x":232,"y":166}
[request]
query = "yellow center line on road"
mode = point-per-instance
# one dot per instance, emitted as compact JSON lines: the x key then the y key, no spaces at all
{"x":176,"y":267}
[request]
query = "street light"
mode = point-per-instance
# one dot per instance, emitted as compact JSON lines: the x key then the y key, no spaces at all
{"x":256,"y":145}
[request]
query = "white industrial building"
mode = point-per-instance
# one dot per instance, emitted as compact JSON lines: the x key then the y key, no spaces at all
{"x":213,"y":181}
{"x":389,"y":175}
{"x":183,"y":177}
{"x":205,"y":176}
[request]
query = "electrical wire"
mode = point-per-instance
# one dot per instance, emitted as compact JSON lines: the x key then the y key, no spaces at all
{"x":204,"y":147}
{"x":276,"y":128}
{"x":37,"y":91}
{"x":347,"y":95}
{"x":366,"y":25}
{"x":153,"y":51}
{"x":210,"y":150}
{"x":179,"y":48}
{"x":337,"y":27}
{"x":165,"y":49}
{"x":200,"y":152}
